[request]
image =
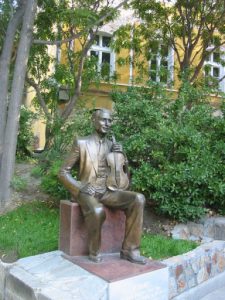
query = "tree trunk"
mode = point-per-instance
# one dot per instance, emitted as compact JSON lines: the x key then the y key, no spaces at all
{"x":12,"y":122}
{"x":5,"y":67}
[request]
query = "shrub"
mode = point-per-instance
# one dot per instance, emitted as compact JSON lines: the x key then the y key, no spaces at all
{"x":25,"y":136}
{"x":50,"y":183}
{"x":176,"y":148}
{"x":51,"y":160}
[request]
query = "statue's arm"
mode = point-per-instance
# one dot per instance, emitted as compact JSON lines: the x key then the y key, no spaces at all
{"x":70,"y":183}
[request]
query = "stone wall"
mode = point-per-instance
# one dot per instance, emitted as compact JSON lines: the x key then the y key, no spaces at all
{"x":193,"y":268}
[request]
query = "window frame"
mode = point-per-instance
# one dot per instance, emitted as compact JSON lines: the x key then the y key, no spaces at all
{"x":213,"y":64}
{"x":170,"y":65}
{"x":101,"y":49}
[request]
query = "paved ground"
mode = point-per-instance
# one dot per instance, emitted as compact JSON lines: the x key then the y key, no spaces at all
{"x":216,"y":295}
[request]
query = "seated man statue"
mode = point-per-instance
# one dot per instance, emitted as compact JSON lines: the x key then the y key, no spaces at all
{"x":92,"y":192}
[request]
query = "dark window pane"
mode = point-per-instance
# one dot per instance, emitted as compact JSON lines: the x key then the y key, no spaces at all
{"x":106,"y":41}
{"x":153,"y":69}
{"x":105,"y":57}
{"x":164,"y":51}
{"x":153,"y":75}
{"x":216,"y":57}
{"x":163,"y":71}
{"x":105,"y":66}
{"x":153,"y":64}
{"x":216,"y":72}
{"x":208,"y":57}
{"x":94,"y":53}
{"x":96,"y":40}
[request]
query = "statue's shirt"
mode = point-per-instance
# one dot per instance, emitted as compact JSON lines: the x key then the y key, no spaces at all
{"x":102,"y":172}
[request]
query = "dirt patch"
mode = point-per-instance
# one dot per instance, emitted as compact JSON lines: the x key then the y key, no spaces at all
{"x":26,"y":187}
{"x":156,"y":224}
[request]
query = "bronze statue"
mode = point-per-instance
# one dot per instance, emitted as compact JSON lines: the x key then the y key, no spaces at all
{"x":100,"y":184}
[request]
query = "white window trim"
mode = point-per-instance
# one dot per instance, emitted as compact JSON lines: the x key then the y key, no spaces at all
{"x":221,"y":68}
{"x":170,"y":65}
{"x":99,"y":48}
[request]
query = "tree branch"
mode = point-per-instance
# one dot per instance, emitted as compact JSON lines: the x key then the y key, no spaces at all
{"x":41,"y":100}
{"x":70,"y":106}
{"x":79,"y":34}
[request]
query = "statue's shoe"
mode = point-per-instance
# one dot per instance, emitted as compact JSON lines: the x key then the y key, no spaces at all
{"x":133,"y":256}
{"x":95,"y":258}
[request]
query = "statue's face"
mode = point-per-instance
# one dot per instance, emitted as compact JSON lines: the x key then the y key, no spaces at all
{"x":102,"y":122}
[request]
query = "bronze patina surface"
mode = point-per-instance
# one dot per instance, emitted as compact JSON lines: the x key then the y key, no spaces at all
{"x":92,"y":192}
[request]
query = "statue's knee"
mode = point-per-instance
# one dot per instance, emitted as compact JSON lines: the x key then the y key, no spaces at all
{"x":140,"y":199}
{"x":99,"y":213}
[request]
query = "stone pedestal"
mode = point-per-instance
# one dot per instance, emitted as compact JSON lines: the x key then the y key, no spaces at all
{"x":50,"y":276}
{"x":126,"y":280}
{"x":73,"y":233}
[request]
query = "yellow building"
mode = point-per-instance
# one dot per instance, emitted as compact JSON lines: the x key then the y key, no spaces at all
{"x":99,"y":96}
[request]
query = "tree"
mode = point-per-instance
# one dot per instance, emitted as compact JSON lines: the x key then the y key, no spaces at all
{"x":194,"y":29}
{"x":11,"y":124}
{"x":56,"y":23}
{"x":5,"y":59}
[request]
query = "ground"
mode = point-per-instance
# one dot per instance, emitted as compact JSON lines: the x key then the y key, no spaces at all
{"x":27,"y":188}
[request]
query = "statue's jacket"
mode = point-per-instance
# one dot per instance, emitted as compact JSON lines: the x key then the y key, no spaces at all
{"x":85,"y":153}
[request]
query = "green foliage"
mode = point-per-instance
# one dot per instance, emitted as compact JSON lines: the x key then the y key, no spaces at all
{"x":175,"y":148}
{"x":18,"y":184}
{"x":64,"y":133}
{"x":159,"y":247}
{"x":50,"y":183}
{"x":193,"y":29}
{"x":30,"y":229}
{"x":37,"y":172}
{"x":51,"y":159}
{"x":25,"y":136}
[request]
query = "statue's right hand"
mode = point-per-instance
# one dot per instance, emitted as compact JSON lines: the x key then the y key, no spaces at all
{"x":88,"y":189}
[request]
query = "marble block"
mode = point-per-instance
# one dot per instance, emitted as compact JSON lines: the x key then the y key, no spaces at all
{"x":73,"y":233}
{"x":126,"y":280}
{"x":50,"y":276}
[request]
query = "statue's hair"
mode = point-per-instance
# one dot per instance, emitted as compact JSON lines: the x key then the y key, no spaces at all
{"x":96,"y":112}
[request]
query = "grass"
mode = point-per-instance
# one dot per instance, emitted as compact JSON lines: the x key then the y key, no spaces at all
{"x":33,"y":229}
{"x":30,"y":229}
{"x":18,"y":183}
{"x":159,"y":247}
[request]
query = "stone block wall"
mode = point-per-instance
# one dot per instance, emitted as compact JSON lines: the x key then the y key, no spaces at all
{"x":192,"y":268}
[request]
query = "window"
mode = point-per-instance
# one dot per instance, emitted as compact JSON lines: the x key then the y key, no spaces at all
{"x":214,"y":70}
{"x":161,"y":65}
{"x":104,"y":55}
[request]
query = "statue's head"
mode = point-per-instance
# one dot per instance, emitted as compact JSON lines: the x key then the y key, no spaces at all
{"x":102,"y":120}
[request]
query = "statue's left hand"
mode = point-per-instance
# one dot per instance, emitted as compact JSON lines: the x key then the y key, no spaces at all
{"x":117,"y":147}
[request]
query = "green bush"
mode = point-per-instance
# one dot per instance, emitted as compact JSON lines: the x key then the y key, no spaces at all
{"x":51,"y":159}
{"x":176,"y":149}
{"x":50,"y":183}
{"x":25,"y":136}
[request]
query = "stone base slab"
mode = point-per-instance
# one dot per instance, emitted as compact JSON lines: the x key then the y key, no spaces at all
{"x":49,"y":276}
{"x":112,"y":268}
{"x":73,"y":239}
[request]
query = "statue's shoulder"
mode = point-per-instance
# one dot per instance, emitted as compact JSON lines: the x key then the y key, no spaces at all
{"x":82,"y":140}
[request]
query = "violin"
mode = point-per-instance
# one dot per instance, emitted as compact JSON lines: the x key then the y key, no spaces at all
{"x":118,"y":177}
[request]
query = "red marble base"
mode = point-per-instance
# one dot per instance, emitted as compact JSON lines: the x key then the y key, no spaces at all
{"x":112,"y":268}
{"x":73,"y":234}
